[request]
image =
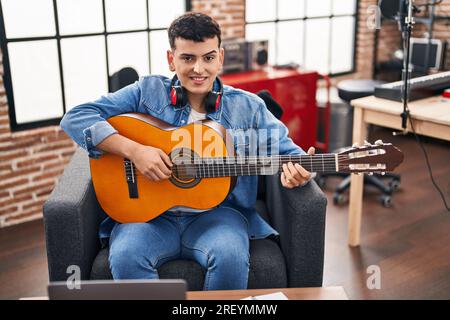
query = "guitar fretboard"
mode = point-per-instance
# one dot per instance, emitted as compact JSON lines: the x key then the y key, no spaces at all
{"x":252,"y":166}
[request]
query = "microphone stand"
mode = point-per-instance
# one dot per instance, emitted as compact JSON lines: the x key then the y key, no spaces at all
{"x":406,"y":73}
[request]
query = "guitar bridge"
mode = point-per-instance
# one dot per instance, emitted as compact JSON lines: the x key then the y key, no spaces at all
{"x":131,"y":176}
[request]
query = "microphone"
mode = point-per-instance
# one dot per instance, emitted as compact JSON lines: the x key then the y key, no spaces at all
{"x":397,"y":10}
{"x":404,"y":115}
{"x":406,"y":73}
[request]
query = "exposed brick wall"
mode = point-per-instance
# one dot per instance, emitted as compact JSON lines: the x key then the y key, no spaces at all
{"x":365,"y":41}
{"x":389,"y":40}
{"x":230,"y":14}
{"x":30,"y":164}
{"x":31,"y":161}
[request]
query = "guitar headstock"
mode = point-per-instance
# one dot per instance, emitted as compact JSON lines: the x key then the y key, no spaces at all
{"x":370,"y":158}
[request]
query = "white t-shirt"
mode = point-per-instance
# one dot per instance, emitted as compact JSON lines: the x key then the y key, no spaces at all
{"x":193,"y":116}
{"x":196,"y":116}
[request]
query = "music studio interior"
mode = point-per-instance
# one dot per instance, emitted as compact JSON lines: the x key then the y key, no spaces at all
{"x":333,"y":71}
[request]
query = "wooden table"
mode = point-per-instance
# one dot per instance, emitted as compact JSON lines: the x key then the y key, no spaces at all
{"x":321,"y":293}
{"x":430,"y":117}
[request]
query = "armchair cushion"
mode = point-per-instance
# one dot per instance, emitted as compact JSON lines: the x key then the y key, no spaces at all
{"x":294,"y":259}
{"x":267,"y":267}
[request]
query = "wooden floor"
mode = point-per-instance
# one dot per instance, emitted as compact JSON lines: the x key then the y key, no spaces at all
{"x":409,"y":242}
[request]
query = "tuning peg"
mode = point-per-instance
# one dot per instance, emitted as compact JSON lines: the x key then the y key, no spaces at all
{"x":379,"y":142}
{"x":370,"y":173}
{"x":383,"y":173}
{"x":355,"y":145}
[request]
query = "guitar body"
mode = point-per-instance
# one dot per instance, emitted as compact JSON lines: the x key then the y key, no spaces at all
{"x":151,"y":199}
{"x":205,"y":168}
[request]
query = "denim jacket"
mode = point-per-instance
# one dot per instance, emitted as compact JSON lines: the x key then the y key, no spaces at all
{"x":239,"y":111}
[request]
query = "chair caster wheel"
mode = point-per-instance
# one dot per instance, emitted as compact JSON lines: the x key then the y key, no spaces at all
{"x":338,"y":198}
{"x":386,"y":201}
{"x":394,"y":185}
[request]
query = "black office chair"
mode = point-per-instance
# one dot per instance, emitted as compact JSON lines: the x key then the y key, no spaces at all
{"x":122,"y":78}
{"x":347,"y":91}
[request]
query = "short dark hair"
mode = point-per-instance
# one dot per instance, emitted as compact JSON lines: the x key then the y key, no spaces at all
{"x":193,"y":26}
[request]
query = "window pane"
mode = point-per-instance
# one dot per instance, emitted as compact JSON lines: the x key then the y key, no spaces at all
{"x":84,"y":68}
{"x":161,"y":13}
{"x":263,"y":31}
{"x":316,"y":8}
{"x":28,"y":18}
{"x":35,"y":80}
{"x":159,"y":44}
{"x":316,"y":45}
{"x":344,"y":7}
{"x":342,"y":44}
{"x":290,"y":42}
{"x":128,"y":50}
{"x":80,"y":16}
{"x":288,"y":9}
{"x":260,"y":10}
{"x":125,"y":15}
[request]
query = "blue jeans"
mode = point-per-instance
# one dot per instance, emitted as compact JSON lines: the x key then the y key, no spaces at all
{"x":216,"y":239}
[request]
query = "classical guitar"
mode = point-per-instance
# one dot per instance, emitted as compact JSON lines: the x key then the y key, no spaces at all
{"x":205,"y":167}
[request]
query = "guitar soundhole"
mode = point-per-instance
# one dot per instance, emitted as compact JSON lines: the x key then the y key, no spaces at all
{"x":184,"y":171}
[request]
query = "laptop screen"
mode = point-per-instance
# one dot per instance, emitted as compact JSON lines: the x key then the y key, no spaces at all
{"x":158,"y":289}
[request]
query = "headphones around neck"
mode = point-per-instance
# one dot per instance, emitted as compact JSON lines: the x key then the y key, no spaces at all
{"x":178,"y":96}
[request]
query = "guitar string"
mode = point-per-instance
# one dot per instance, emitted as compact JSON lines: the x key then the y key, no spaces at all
{"x":259,"y":165}
{"x":199,"y":165}
{"x":210,"y":167}
{"x":248,"y":165}
{"x":231,"y":160}
{"x":242,"y":162}
{"x":203,"y":166}
{"x":239,"y":174}
{"x":215,"y":170}
{"x":328,"y":165}
{"x":304,"y":160}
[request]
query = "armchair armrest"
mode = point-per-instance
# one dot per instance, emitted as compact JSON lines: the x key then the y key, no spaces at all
{"x":71,"y":218}
{"x":299,"y":216}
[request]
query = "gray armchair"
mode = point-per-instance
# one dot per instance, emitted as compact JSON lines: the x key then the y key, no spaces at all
{"x":72,"y":216}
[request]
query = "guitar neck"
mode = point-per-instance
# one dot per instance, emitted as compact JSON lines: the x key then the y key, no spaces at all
{"x":255,"y":165}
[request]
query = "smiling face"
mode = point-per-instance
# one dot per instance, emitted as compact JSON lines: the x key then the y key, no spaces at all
{"x":196,"y":64}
